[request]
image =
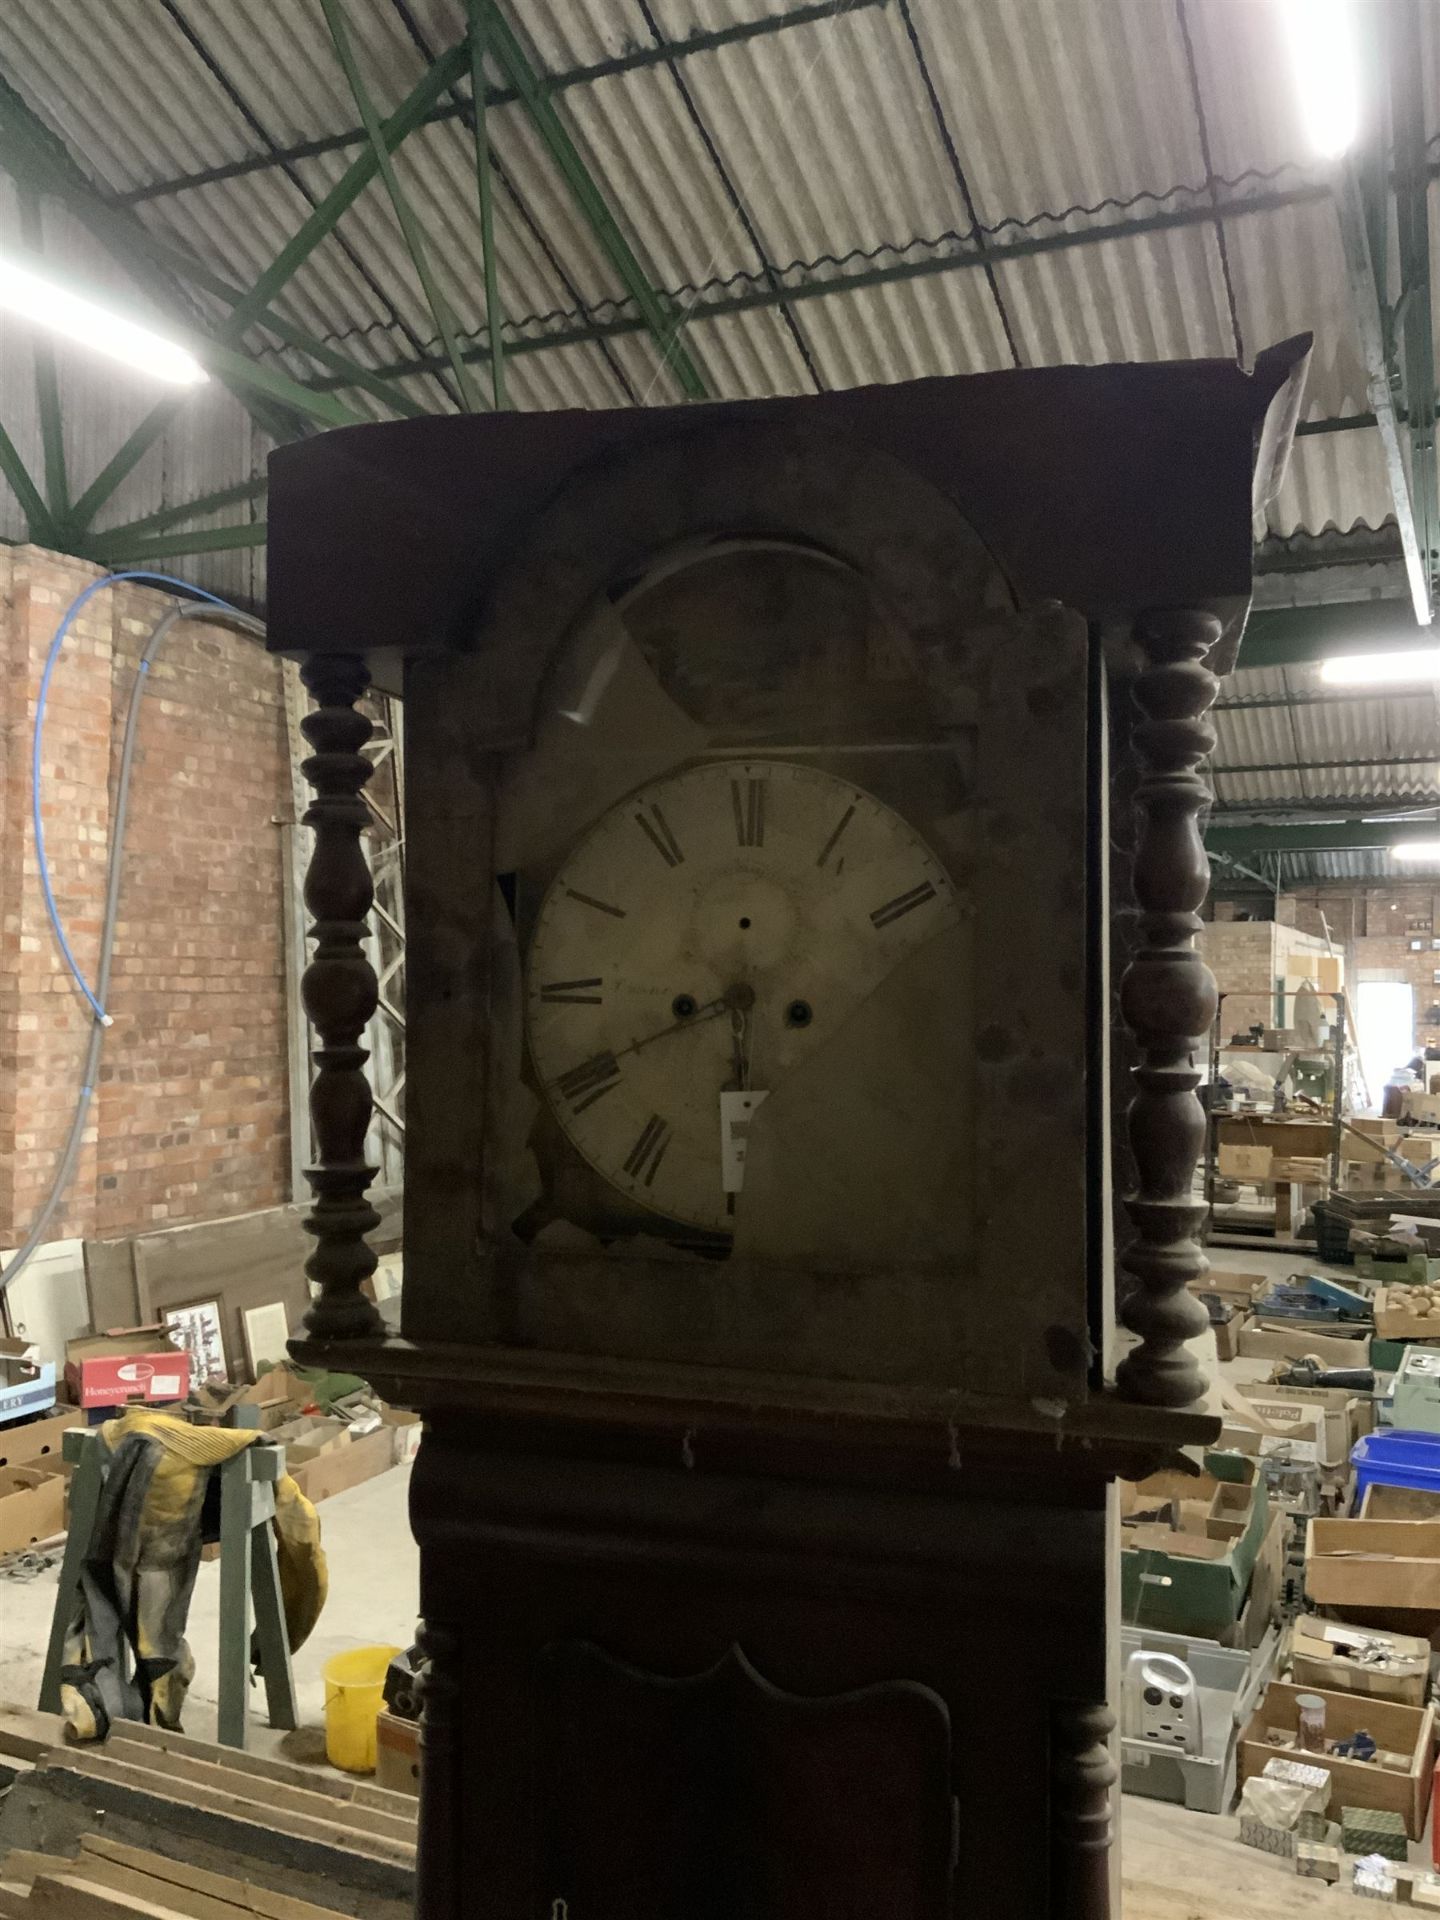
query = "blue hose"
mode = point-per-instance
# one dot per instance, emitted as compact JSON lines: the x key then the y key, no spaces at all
{"x":37,"y":742}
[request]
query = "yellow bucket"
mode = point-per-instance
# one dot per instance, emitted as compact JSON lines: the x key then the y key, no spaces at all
{"x":354,"y":1694}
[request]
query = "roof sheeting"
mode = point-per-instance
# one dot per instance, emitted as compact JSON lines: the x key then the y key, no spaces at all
{"x":889,"y":131}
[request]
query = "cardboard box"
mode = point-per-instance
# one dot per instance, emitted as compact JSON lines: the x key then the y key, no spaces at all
{"x":1262,"y":1339}
{"x":1345,"y":1415}
{"x":1364,"y":1140}
{"x":1419,"y":1148}
{"x":32,"y":1505}
{"x":1374,"y":1176}
{"x":29,"y":1390}
{"x":131,"y":1364}
{"x":397,"y":1753}
{"x":1373,"y":1563}
{"x":1321,"y":1655}
{"x":1396,"y":1318}
{"x":1297,"y":1431}
{"x":32,"y":1441}
{"x":1354,"y":1783}
{"x":1180,"y":1579}
{"x":407,"y":1428}
{"x":1424,"y":1107}
{"x":309,"y":1438}
{"x":1244,"y":1163}
{"x":1398,"y":1503}
{"x":346,"y":1466}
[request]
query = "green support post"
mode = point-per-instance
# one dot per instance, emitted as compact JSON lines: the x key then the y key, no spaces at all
{"x":47,"y":381}
{"x":494,"y":318}
{"x":410,"y":226}
{"x":657,"y":315}
{"x":37,"y":514}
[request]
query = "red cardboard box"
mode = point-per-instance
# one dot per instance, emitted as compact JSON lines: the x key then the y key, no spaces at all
{"x":113,"y":1369}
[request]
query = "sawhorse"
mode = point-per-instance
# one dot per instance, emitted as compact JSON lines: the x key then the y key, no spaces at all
{"x":249,"y":1572}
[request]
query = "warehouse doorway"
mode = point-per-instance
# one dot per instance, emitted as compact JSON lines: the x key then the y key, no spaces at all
{"x":1385,"y":1026}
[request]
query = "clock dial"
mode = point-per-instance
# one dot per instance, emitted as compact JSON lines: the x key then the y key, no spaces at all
{"x":707,"y":936}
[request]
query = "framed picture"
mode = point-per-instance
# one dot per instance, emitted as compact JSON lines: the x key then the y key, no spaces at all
{"x":199,"y":1332}
{"x":267,"y":1329}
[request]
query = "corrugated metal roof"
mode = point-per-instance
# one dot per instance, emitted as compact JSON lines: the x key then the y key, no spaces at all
{"x":894,"y":129}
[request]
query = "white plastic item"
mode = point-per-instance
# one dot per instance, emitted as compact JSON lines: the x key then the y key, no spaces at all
{"x":1162,"y":1702}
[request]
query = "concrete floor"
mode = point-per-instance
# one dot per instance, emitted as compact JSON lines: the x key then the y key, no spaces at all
{"x":374,"y":1597}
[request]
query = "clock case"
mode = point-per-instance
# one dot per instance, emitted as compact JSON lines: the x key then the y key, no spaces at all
{"x":763,"y":1607}
{"x":1014,"y":1200}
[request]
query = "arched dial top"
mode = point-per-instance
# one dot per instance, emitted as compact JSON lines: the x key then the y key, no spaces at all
{"x":706,"y":937}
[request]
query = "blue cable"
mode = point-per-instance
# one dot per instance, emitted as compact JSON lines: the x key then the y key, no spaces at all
{"x":36,"y":756}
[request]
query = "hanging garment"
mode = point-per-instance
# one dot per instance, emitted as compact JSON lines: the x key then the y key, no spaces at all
{"x":139,"y":1572}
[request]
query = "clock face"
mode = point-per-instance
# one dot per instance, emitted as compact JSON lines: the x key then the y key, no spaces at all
{"x":707,"y":937}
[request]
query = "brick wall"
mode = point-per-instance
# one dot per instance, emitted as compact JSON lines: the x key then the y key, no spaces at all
{"x":1377,"y":927}
{"x":190,"y":1121}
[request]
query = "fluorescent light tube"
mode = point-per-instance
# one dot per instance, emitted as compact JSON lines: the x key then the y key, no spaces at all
{"x":1382,"y":669}
{"x":1324,"y":58}
{"x":36,"y":297}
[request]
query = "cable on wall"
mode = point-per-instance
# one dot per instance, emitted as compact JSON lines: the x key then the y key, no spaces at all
{"x":197,"y":603}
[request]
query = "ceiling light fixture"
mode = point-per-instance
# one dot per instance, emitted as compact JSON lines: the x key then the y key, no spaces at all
{"x":1428,"y":850}
{"x":1382,"y":669}
{"x":34,"y":296}
{"x":1325,"y":60}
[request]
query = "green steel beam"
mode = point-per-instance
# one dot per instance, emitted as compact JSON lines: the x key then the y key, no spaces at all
{"x":821,"y":286}
{"x":1298,"y":636}
{"x":37,"y":514}
{"x":410,"y":226}
{"x":203,"y":540}
{"x":318,"y":224}
{"x":47,"y":380}
{"x":656,"y":314}
{"x":494,"y":316}
{"x":40,"y":161}
{"x":1372,"y":322}
{"x":1330,"y":766}
{"x":132,"y":530}
{"x":701,"y":40}
{"x":1334,"y":836}
{"x":1412,"y":318}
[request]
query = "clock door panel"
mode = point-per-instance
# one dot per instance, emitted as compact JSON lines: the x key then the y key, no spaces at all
{"x":720,"y":1797}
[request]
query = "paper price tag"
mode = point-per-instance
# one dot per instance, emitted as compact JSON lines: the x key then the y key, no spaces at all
{"x":735,"y":1112}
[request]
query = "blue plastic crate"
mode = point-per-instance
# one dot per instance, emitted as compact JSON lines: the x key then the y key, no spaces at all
{"x":1396,"y":1458}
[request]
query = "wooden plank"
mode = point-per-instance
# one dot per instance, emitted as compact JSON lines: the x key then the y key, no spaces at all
{"x":28,"y":1735}
{"x":262,"y":1792}
{"x":284,"y":1773}
{"x":110,"y":1284}
{"x":21,"y":1865}
{"x":261,"y":1900}
{"x":182,"y":1901}
{"x":66,"y":1897}
{"x":230,"y":1802}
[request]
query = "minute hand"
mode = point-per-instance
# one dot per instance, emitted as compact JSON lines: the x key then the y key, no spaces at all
{"x":708,"y":1012}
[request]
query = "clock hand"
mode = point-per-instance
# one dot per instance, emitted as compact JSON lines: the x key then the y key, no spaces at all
{"x":737,"y":1000}
{"x":707,"y":1012}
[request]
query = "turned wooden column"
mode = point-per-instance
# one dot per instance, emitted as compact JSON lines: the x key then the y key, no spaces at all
{"x":1167,"y":996}
{"x":339,"y":990}
{"x":1082,"y":1775}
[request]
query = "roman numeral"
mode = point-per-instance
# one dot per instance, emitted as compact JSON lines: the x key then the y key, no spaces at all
{"x":582,"y":1086}
{"x":656,"y":828}
{"x":601,"y":906}
{"x":834,"y":840}
{"x":902,"y":904}
{"x":749,"y":802}
{"x":573,"y":993}
{"x":648,"y":1151}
